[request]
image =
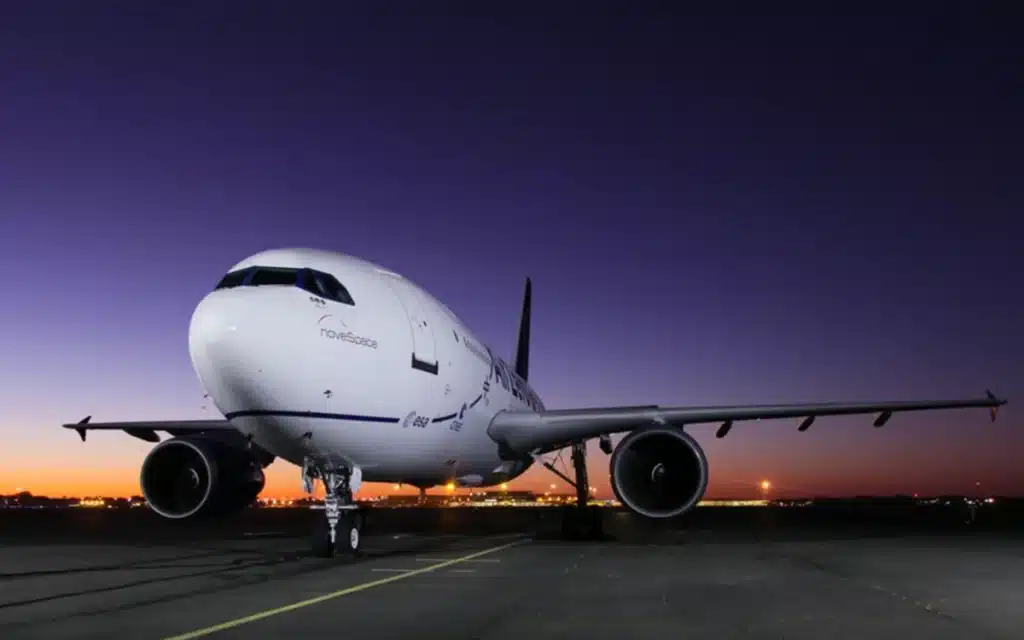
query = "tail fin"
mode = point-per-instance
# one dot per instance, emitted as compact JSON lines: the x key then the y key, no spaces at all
{"x":522,"y":363}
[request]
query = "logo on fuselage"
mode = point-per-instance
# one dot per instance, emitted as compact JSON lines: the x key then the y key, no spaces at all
{"x":340,"y":332}
{"x":333,"y":319}
{"x":348,"y":336}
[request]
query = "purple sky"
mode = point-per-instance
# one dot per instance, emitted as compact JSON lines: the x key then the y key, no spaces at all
{"x":713,"y":209}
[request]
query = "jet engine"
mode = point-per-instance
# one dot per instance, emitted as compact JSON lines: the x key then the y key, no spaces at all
{"x":659,"y":472}
{"x":200,"y":475}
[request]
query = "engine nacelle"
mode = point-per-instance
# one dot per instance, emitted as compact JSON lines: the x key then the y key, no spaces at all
{"x":200,"y":475}
{"x":659,"y":472}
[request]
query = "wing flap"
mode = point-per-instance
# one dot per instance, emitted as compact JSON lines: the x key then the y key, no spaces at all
{"x":524,"y":431}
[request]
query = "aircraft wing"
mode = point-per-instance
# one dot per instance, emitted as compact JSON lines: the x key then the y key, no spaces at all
{"x":147,"y":430}
{"x":527,"y":431}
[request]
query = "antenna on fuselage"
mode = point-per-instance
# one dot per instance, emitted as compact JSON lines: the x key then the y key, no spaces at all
{"x":522,"y":361}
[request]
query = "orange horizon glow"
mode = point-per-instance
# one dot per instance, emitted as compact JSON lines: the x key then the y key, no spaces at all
{"x":110,"y":467}
{"x":285,"y":488}
{"x":121,"y":488}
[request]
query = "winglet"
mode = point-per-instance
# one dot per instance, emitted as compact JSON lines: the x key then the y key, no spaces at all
{"x":522,"y":363}
{"x":996,"y":403}
{"x":81,"y":431}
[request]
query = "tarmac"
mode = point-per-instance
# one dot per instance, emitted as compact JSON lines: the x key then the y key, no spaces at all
{"x":496,"y":574}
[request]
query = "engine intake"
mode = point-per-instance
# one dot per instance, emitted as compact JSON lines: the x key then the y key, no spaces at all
{"x":198,"y":475}
{"x":659,"y":472}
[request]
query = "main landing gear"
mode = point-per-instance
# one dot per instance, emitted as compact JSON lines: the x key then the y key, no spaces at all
{"x":341,"y":531}
{"x":579,"y":521}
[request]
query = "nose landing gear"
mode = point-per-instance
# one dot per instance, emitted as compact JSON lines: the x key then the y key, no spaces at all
{"x":341,"y":531}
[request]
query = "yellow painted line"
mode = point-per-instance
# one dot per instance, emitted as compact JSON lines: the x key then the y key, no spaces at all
{"x":336,"y":594}
{"x":443,"y":559}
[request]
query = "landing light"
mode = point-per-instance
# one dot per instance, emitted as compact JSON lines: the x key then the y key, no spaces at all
{"x":450,"y":486}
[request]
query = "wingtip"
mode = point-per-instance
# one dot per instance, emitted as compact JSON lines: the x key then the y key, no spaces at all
{"x":996,"y":402}
{"x":994,"y":398}
{"x":79,"y":426}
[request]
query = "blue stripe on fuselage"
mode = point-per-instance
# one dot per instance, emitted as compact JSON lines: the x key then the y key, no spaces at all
{"x":308,"y":414}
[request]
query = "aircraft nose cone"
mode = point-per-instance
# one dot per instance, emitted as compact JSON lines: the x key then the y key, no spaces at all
{"x":212,"y":335}
{"x":209,"y":327}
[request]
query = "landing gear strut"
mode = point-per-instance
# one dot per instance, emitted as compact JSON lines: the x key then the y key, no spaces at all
{"x":580,"y":520}
{"x":341,"y":531}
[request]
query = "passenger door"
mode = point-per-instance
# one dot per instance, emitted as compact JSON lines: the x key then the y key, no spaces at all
{"x":424,"y":351}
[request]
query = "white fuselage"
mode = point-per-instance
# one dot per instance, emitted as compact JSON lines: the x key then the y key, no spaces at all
{"x":393,"y":383}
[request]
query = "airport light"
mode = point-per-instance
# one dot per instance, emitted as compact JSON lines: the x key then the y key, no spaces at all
{"x":450,"y":486}
{"x":504,"y":486}
{"x":765,"y":485}
{"x":552,"y":486}
{"x":396,"y":487}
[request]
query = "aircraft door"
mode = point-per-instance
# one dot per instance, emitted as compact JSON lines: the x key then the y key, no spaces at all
{"x":424,"y":350}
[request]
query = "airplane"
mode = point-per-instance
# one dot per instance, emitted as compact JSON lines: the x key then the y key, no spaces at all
{"x":354,"y":373}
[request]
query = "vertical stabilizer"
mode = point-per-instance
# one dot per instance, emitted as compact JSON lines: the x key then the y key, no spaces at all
{"x":522,"y":361}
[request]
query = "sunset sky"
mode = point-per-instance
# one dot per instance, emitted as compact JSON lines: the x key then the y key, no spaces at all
{"x":714,"y":210}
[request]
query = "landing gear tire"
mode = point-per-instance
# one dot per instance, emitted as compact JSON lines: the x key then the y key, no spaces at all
{"x":348,"y":537}
{"x":350,"y":533}
{"x":339,"y":509}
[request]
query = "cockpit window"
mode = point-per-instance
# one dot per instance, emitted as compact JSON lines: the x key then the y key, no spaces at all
{"x":232,"y":279}
{"x":273,"y":276}
{"x":324,"y":285}
{"x":316,"y":282}
{"x":309,"y":282}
